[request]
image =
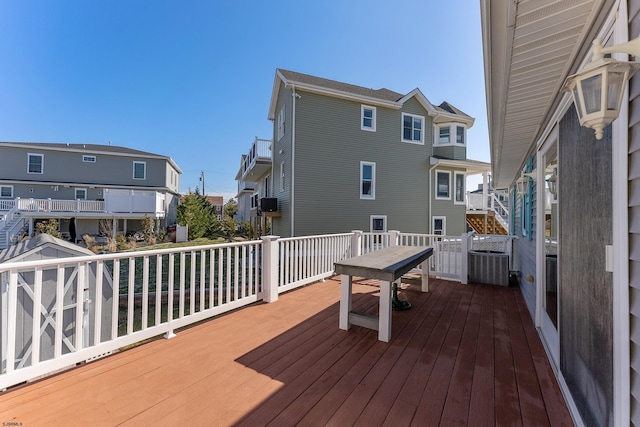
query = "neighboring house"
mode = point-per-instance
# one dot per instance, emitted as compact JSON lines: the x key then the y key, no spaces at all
{"x":218,"y":205}
{"x":244,"y":195}
{"x":39,"y":181}
{"x":575,"y":218}
{"x":345,"y":157}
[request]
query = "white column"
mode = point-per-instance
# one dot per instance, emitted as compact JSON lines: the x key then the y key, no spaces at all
{"x":346,"y":286}
{"x":356,"y":240}
{"x":270,"y":261}
{"x":384,"y":320}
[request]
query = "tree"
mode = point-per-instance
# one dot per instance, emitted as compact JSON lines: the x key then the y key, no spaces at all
{"x":49,"y":227}
{"x":149,"y":230}
{"x":196,"y":212}
{"x":230,"y":208}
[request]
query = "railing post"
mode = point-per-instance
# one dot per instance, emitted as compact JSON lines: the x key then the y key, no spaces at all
{"x":464,"y":258}
{"x":270,"y":261}
{"x":394,"y":237}
{"x":356,"y":239}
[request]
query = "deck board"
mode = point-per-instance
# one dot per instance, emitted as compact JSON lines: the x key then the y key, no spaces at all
{"x":463,"y":355}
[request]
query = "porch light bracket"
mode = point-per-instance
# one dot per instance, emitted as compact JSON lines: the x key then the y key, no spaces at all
{"x":597,"y":90}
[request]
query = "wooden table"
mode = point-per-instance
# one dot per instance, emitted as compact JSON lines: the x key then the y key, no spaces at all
{"x":387,"y":265}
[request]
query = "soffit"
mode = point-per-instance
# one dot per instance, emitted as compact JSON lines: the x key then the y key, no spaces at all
{"x":530,"y":46}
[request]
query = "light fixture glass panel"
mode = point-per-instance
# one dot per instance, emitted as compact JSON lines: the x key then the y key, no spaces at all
{"x":592,"y":92}
{"x":576,"y":101}
{"x":614,"y":89}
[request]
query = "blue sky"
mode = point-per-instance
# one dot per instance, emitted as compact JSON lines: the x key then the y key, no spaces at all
{"x":192,"y":79}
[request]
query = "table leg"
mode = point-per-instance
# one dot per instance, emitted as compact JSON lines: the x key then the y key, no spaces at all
{"x":345,"y":300}
{"x":384,"y":320}
{"x":424,"y":268}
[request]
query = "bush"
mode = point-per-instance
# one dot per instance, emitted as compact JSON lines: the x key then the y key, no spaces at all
{"x":49,"y":227}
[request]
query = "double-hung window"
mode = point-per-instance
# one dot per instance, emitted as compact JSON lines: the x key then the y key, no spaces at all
{"x":439,"y":225}
{"x":281,"y":122}
{"x":445,"y":135}
{"x":412,"y":128}
{"x":378,"y":223}
{"x":459,"y":188}
{"x":367,"y":180}
{"x":460,"y":135}
{"x":35,"y":163}
{"x":368,"y":118}
{"x":81,"y":194}
{"x":139,"y":170}
{"x":443,"y":185}
{"x":6,"y":191}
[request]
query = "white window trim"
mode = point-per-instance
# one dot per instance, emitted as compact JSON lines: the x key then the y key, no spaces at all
{"x":10,"y":187}
{"x":444,"y":225}
{"x":38,"y":155}
{"x":134,"y":169}
{"x":282,"y":173}
{"x":453,"y":135}
{"x":87,"y":158}
{"x":374,"y":217}
{"x":281,"y":123}
{"x":86,"y":193}
{"x":436,"y":185}
{"x":464,"y":188}
{"x":373,"y":181}
{"x":373,"y":118}
{"x":412,"y":141}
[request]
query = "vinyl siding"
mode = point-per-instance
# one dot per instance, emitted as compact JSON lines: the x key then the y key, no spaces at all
{"x":455,"y":214}
{"x":451,"y":152}
{"x":68,"y":167}
{"x":282,"y":226}
{"x":329,"y":148}
{"x":634,"y":223}
{"x":524,"y":250}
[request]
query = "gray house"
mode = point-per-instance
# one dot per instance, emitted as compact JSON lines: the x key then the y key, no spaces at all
{"x":87,"y":182}
{"x":574,"y":190}
{"x":345,"y":157}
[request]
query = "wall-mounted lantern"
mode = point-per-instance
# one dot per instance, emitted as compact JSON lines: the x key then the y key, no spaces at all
{"x":524,"y":180}
{"x":597,"y":90}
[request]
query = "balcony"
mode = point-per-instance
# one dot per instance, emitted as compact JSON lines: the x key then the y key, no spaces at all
{"x":464,"y":354}
{"x":258,"y":161}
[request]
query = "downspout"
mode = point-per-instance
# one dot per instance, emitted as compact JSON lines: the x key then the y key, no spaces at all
{"x":294,"y":95}
{"x":430,"y":197}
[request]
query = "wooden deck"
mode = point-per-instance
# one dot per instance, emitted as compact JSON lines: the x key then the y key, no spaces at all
{"x":463,"y":355}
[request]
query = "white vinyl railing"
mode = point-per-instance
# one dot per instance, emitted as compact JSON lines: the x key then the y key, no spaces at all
{"x":58,"y":312}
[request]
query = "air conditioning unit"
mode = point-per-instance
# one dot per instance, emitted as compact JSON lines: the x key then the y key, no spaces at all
{"x":269,"y":204}
{"x":489,"y":267}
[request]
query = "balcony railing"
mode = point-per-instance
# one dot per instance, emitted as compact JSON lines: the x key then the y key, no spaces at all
{"x":259,"y":154}
{"x":90,"y":306}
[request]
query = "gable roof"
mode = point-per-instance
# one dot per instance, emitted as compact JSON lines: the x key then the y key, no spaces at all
{"x":33,"y":245}
{"x":378,"y":97}
{"x":90,"y":149}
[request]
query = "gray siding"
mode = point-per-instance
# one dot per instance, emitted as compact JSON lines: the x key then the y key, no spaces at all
{"x":451,"y":152}
{"x":524,"y":250}
{"x":455,"y":213}
{"x":585,"y":288}
{"x":329,"y":148}
{"x":68,"y":167}
{"x":282,"y":153}
{"x":634,"y":223}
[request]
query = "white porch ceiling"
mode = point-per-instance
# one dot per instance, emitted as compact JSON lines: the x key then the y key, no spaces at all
{"x":530,"y":46}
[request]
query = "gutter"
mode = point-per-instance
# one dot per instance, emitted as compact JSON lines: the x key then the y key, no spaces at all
{"x":294,"y":95}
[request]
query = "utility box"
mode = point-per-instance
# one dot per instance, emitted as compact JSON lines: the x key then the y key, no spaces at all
{"x":489,"y":267}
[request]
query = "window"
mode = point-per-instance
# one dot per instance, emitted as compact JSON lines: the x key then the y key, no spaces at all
{"x":281,"y":176}
{"x":460,"y":135}
{"x":439,"y":225}
{"x":255,"y":201}
{"x":6,"y":191}
{"x":459,"y":188}
{"x":367,"y":180}
{"x":139,"y":170}
{"x":368,"y":121}
{"x":445,"y":135}
{"x":88,"y":159}
{"x":35,"y":163}
{"x":443,"y":185}
{"x":81,"y":193}
{"x":378,"y":223}
{"x":412,"y":127}
{"x":281,"y":122}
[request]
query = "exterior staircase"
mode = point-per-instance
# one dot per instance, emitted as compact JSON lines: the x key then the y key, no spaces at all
{"x":486,"y":222}
{"x":9,"y":225}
